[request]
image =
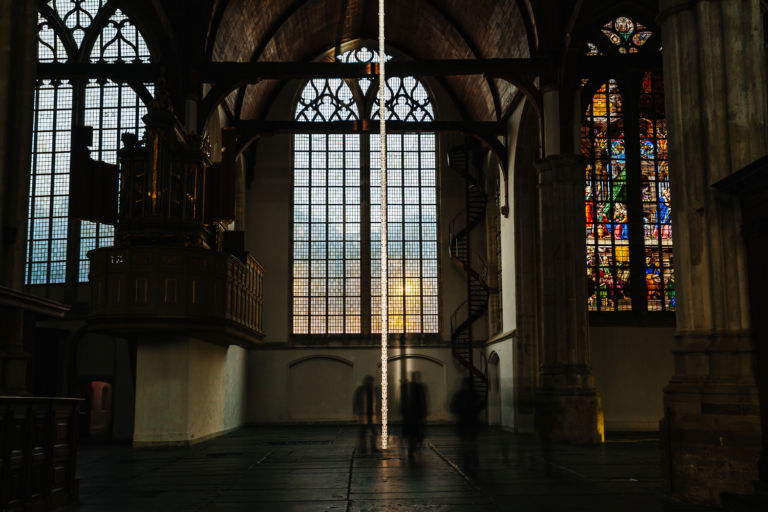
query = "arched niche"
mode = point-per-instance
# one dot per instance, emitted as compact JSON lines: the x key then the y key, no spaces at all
{"x":320,"y":388}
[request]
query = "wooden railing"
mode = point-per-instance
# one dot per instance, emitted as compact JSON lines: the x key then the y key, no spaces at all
{"x":244,"y":292}
{"x":208,"y":294}
{"x":38,"y":452}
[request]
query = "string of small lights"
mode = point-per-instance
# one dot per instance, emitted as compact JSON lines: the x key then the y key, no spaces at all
{"x":384,"y":273}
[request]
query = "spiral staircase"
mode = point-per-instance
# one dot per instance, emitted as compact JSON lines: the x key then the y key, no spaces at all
{"x":465,"y":160}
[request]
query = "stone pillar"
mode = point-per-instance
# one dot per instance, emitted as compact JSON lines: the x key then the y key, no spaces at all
{"x":18,"y":55}
{"x":567,"y":405}
{"x":717,"y":114}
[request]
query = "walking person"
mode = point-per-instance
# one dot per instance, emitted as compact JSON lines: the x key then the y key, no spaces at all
{"x":364,"y":409}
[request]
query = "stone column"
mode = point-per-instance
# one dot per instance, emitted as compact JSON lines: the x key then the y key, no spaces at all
{"x":567,"y":405}
{"x":18,"y":55}
{"x":717,"y":114}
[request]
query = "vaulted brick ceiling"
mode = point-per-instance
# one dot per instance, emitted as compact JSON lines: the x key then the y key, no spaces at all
{"x":301,"y":30}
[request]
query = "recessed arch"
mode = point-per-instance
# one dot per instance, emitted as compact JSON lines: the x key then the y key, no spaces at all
{"x":328,"y":357}
{"x":424,"y":357}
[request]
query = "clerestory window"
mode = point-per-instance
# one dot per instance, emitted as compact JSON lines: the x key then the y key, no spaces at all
{"x":336,"y":210}
{"x":70,"y":31}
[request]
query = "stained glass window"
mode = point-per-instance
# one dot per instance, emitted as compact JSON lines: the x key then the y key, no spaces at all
{"x":627,"y":195}
{"x":606,"y":208}
{"x":657,"y":221}
{"x":611,"y":213}
{"x":110,"y":108}
{"x":336,"y":283}
{"x":627,"y":35}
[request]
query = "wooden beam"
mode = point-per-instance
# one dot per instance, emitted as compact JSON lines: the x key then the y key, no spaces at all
{"x":118,"y":72}
{"x":250,"y":129}
{"x":215,"y":72}
{"x":488,"y":132}
{"x":589,"y":65}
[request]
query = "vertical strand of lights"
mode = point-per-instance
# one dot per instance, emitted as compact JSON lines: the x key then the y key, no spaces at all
{"x":384,"y":269}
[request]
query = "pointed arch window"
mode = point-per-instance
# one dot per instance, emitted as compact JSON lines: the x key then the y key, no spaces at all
{"x":630,"y":265}
{"x":65,"y":28}
{"x":336,"y":236}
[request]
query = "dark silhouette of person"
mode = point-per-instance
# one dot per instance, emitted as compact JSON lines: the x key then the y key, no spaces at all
{"x":414,"y":411}
{"x":364,"y":409}
{"x":466,"y":407}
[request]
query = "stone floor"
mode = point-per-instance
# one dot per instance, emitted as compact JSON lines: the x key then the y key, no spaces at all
{"x":321,"y":468}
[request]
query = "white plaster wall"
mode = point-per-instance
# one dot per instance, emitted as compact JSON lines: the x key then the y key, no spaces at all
{"x":161,"y":391}
{"x":187,"y":390}
{"x":632,"y":365}
{"x":216,"y":388}
{"x":508,"y":281}
{"x":507,"y":229}
{"x":506,"y":394}
{"x":315,"y":386}
{"x":290,"y":385}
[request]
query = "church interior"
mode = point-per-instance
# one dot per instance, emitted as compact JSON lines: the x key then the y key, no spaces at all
{"x":198,"y":244}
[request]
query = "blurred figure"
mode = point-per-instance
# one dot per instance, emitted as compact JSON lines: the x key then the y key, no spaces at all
{"x":364,"y":409}
{"x":414,"y":411}
{"x":466,"y":406}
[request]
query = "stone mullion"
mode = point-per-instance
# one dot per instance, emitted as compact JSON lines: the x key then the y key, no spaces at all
{"x":72,"y":272}
{"x":365,"y":234}
{"x":631,"y":93}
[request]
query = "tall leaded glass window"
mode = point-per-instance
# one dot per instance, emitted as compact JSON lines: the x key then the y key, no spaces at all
{"x":606,"y":202}
{"x":336,"y":235}
{"x":657,"y":211}
{"x":326,"y":227}
{"x":49,"y":184}
{"x":110,"y":108}
{"x":624,"y":139}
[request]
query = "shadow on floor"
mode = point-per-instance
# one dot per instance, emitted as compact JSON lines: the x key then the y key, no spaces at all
{"x":320,"y":468}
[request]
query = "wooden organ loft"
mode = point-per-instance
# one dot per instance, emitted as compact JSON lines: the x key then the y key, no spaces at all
{"x":174,"y":268}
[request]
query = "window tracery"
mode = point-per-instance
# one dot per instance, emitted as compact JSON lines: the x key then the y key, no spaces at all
{"x":119,"y":41}
{"x":326,"y":100}
{"x":406,"y":100}
{"x":78,"y":15}
{"x":50,"y":47}
{"x":627,"y":35}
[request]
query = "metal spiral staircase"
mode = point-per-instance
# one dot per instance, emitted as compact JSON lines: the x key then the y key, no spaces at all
{"x":464,"y":160}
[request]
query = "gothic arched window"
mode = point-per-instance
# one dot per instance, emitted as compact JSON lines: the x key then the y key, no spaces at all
{"x":624,"y":139}
{"x":76,"y":31}
{"x":336,"y":220}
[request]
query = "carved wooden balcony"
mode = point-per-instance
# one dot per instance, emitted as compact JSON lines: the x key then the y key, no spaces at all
{"x":191,"y":291}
